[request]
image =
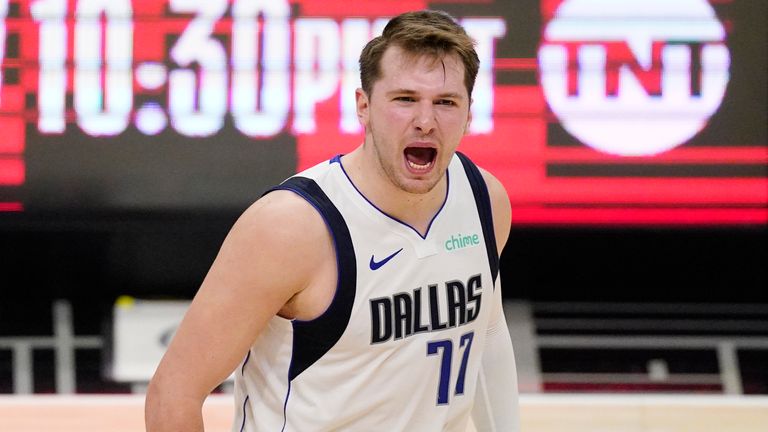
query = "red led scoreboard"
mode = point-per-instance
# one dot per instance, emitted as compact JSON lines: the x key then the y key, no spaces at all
{"x":629,"y":112}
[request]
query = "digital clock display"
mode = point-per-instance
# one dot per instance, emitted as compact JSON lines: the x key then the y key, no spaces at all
{"x":589,"y":111}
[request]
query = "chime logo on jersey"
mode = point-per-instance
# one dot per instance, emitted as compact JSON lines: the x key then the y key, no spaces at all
{"x":634,"y":77}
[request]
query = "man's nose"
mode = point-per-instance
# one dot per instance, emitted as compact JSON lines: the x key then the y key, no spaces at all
{"x":425,"y":117}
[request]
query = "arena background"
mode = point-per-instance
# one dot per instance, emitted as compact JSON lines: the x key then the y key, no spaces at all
{"x":630,"y":135}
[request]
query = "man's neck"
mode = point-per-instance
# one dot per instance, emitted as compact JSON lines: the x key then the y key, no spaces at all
{"x":416,"y":210}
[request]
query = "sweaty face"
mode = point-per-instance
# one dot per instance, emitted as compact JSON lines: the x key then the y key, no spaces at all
{"x":414,"y":118}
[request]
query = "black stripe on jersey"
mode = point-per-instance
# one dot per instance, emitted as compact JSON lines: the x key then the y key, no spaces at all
{"x":312,"y":339}
{"x":483,"y":204}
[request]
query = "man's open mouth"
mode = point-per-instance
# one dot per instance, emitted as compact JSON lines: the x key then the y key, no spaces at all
{"x":420,"y":158}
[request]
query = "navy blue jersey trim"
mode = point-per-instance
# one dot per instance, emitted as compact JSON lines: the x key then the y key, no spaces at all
{"x":312,"y":339}
{"x":242,"y":426}
{"x":285,"y":407}
{"x":337,"y":159}
{"x":483,"y":203}
{"x":245,"y":362}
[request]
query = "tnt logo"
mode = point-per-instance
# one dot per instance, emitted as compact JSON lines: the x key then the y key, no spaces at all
{"x":634,"y":77}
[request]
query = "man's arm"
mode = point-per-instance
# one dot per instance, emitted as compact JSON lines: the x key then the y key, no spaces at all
{"x":496,"y":400}
{"x":270,"y":255}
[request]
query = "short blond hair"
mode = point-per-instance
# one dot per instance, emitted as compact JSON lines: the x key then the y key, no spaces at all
{"x":427,"y":32}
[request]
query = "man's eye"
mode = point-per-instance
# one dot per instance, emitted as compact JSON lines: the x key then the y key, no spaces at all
{"x":404,"y":99}
{"x":445,"y":102}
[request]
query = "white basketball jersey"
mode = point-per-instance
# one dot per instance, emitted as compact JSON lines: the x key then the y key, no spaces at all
{"x":400,"y":346}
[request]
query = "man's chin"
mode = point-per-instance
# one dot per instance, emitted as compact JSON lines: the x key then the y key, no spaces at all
{"x":418,"y":186}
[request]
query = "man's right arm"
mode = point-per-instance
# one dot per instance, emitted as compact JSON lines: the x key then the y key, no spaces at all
{"x":267,"y":258}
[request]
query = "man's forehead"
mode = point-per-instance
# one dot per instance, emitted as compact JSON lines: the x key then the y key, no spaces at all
{"x":397,"y":57}
{"x":397,"y":61}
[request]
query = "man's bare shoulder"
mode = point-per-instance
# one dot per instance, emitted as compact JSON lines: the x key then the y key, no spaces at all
{"x":283,"y":217}
{"x":278,"y":232}
{"x":290,"y":241}
{"x":502,"y":210}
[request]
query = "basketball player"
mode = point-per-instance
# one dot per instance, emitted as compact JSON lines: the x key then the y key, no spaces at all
{"x":363,"y":293}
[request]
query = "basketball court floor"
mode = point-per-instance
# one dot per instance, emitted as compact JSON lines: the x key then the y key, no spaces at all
{"x":539,"y":413}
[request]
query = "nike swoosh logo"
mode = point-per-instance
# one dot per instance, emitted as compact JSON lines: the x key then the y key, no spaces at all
{"x":375,"y":265}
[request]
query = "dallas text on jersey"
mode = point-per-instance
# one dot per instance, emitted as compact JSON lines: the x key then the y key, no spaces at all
{"x":400,"y":315}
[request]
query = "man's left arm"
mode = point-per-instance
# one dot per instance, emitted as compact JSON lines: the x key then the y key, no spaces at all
{"x":496,"y":400}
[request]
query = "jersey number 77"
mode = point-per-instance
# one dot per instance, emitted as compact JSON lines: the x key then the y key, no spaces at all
{"x":445,"y":364}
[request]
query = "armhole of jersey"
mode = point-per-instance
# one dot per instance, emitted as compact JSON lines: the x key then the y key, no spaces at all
{"x":312,"y":339}
{"x":483,"y":204}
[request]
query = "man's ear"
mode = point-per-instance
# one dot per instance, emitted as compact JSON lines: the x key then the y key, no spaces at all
{"x":363,"y":105}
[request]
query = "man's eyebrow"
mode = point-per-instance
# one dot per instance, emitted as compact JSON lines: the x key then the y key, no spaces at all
{"x":404,"y":91}
{"x":452,"y":95}
{"x":401,"y":91}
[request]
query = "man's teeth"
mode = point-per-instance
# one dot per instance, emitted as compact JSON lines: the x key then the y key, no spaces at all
{"x":418,"y":166}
